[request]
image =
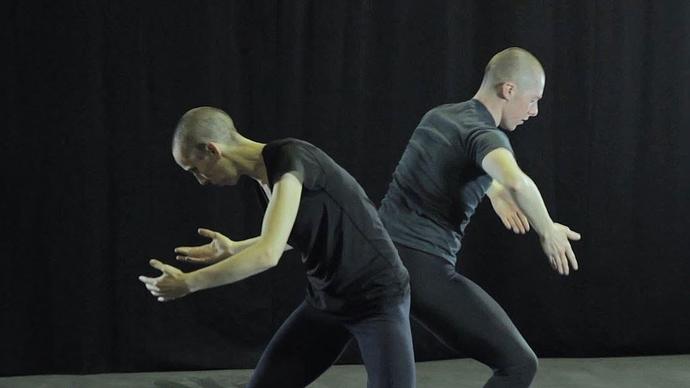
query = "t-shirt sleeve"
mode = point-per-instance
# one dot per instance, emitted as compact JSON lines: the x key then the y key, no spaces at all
{"x":286,"y":158}
{"x":482,"y":141}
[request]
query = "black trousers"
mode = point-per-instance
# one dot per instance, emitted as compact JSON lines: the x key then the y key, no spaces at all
{"x":466,"y":319}
{"x":310,"y":341}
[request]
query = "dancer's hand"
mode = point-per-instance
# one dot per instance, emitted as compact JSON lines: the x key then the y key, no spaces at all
{"x":219,"y":248}
{"x":509,"y":212}
{"x":170,"y":285}
{"x":556,"y":246}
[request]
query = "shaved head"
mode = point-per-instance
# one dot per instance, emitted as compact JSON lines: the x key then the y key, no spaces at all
{"x":513,"y":65}
{"x":201,"y":126}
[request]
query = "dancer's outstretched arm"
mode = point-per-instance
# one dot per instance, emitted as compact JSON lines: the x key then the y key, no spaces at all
{"x":501,"y":166}
{"x":260,"y":256}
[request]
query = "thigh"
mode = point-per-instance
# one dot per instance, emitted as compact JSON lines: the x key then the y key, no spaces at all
{"x":385,"y":342}
{"x":460,"y":313}
{"x":306,"y":344}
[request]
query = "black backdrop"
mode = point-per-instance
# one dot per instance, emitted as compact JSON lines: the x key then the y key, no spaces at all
{"x":93,"y":89}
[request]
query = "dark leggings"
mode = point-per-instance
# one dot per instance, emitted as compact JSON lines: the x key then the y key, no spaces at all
{"x":466,"y":319}
{"x":310,"y":341}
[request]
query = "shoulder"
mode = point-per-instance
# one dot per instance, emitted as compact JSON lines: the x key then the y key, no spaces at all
{"x":441,"y":110}
{"x":462,"y":115}
{"x":299,"y":157}
{"x":290,"y":145}
{"x":288,"y":148}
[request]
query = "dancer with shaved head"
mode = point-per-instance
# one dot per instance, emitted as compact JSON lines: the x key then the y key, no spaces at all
{"x":456,"y":155}
{"x":357,"y":286}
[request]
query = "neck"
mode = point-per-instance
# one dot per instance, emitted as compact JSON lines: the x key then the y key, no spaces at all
{"x":492,"y":103}
{"x":249,"y":159}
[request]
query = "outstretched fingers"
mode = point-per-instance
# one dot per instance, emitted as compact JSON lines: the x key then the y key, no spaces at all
{"x":573,"y":235}
{"x":207,"y":233}
{"x":571,"y":258}
{"x":525,"y":222}
{"x":190,"y":259}
{"x":147,"y":280}
{"x":160,"y":266}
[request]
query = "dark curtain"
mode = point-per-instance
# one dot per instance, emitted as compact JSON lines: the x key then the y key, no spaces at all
{"x":93,"y":89}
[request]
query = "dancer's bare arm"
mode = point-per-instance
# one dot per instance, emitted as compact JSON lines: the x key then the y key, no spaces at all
{"x":219,"y":248}
{"x":502,"y":167}
{"x":260,"y":256}
{"x":507,"y":210}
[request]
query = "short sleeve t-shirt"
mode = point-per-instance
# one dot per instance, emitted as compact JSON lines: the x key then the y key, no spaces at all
{"x":350,"y":260}
{"x":439,"y":181}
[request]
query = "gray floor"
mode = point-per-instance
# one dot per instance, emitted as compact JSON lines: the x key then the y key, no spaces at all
{"x":635,"y":372}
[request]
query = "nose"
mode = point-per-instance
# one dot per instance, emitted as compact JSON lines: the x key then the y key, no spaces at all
{"x":534,"y":111}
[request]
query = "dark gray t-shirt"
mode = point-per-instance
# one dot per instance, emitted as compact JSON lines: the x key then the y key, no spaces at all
{"x":351,"y":263}
{"x":439,"y":181}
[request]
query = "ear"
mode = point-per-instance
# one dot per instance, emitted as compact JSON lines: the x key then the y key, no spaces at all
{"x":507,"y":90}
{"x":214,"y":149}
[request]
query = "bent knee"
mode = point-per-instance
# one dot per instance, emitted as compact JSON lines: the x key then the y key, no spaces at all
{"x":525,"y":366}
{"x":531,"y":363}
{"x":521,"y":370}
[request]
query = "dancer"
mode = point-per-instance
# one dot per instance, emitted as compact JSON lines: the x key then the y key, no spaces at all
{"x":357,"y":285}
{"x":453,"y":158}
